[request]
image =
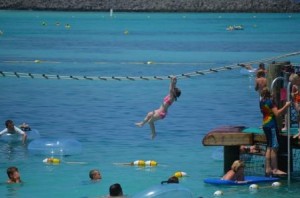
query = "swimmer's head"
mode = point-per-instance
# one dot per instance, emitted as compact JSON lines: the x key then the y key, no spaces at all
{"x":9,"y":124}
{"x":171,"y":180}
{"x":265,"y":93}
{"x":177,"y":92}
{"x":261,"y":66}
{"x":115,"y":190}
{"x":260,"y":73}
{"x":237,"y":164}
{"x":95,"y":174}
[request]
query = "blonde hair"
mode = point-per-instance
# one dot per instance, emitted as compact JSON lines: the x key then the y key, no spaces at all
{"x":265,"y":93}
{"x":236,"y":165}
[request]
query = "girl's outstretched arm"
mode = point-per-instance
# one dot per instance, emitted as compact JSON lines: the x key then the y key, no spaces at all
{"x":172,"y":86}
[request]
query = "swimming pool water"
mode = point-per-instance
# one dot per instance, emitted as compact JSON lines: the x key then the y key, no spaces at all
{"x":101,"y":114}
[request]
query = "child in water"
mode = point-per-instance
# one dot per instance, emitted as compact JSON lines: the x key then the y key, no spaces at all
{"x":161,"y":112}
{"x":236,"y":173}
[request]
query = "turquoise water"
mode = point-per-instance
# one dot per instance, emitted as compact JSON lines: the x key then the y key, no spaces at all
{"x":101,"y":114}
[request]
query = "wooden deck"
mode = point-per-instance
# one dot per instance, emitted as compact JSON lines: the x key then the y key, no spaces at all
{"x":232,"y":137}
{"x":240,"y":135}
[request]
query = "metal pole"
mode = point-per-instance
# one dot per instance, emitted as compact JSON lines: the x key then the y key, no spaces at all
{"x":289,"y":133}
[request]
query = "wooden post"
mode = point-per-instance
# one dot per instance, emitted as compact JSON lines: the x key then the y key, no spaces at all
{"x":231,"y":153}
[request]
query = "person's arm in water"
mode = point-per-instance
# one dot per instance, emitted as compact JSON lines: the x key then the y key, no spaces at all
{"x":23,"y":133}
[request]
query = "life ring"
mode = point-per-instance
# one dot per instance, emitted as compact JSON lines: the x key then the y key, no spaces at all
{"x":13,"y":138}
{"x":165,"y":190}
{"x":44,"y":146}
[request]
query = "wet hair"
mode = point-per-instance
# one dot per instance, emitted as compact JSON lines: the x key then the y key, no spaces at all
{"x":260,"y":73}
{"x":11,"y":170}
{"x":176,"y":93}
{"x":237,"y":164}
{"x":265,"y":93}
{"x":92,"y":172}
{"x":115,"y":190}
{"x":261,"y":65}
{"x":171,"y":180}
{"x":7,"y":122}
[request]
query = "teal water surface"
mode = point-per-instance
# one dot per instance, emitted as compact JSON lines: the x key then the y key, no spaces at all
{"x":101,"y":114}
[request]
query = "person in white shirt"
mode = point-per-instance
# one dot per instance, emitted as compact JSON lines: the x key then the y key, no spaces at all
{"x":12,"y":129}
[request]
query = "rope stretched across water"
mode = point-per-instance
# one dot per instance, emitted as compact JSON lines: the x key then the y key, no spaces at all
{"x":134,"y":78}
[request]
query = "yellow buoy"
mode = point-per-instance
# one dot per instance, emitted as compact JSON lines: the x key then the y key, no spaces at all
{"x":51,"y":160}
{"x":180,"y":174}
{"x":150,"y":163}
{"x":139,"y":163}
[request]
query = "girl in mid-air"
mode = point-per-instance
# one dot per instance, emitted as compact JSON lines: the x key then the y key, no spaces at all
{"x":161,"y":113}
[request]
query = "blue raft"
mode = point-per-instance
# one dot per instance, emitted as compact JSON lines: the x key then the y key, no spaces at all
{"x":248,"y":180}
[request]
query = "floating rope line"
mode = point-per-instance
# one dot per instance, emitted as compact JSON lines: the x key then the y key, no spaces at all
{"x":134,"y":78}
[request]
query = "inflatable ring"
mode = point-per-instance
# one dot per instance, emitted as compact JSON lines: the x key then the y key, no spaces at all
{"x":43,"y":146}
{"x":165,"y":190}
{"x":12,"y":138}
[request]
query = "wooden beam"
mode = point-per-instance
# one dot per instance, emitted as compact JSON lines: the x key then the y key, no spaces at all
{"x":228,"y":139}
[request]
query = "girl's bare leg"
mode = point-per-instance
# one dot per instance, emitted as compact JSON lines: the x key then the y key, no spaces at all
{"x":153,"y":132}
{"x":147,"y":118}
{"x":268,"y":168}
{"x":274,"y":163}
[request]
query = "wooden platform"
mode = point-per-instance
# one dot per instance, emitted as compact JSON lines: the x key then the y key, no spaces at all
{"x":232,"y":137}
{"x":241,"y":135}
